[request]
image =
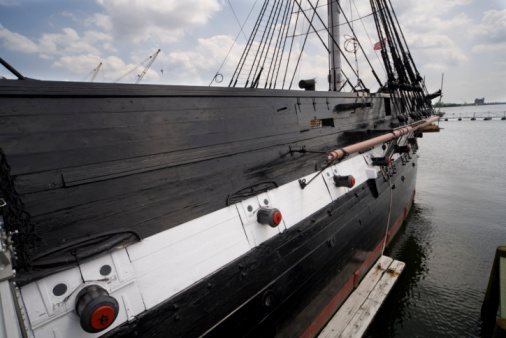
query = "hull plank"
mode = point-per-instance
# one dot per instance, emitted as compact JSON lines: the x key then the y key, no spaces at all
{"x":298,"y":272}
{"x":83,"y":163}
{"x":185,"y":211}
{"x":97,"y":161}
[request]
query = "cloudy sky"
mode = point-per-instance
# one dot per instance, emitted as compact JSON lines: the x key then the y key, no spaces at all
{"x":67,"y":39}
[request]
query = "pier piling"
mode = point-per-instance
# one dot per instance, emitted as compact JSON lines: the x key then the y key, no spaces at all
{"x":495,"y":297}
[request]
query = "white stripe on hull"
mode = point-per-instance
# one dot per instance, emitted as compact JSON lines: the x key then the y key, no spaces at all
{"x":148,"y":273}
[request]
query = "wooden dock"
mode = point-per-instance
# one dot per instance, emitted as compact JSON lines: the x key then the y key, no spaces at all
{"x":431,"y":128}
{"x":494,"y":304}
{"x":358,"y":311}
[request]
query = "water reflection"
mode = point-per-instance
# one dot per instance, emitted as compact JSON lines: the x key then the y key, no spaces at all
{"x":412,"y":246}
{"x":449,"y":240}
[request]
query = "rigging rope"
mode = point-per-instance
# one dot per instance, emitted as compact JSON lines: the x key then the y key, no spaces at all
{"x":302,"y":48}
{"x":248,"y":46}
{"x":290,"y":53}
{"x":268,"y":57}
{"x":358,"y":42}
{"x":235,"y":41}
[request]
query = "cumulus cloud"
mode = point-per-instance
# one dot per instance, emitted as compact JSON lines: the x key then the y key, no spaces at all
{"x":71,"y":50}
{"x":492,"y":28}
{"x":113,"y":68}
{"x":137,"y":20}
{"x":45,"y":56}
{"x":66,"y":42}
{"x":127,"y":20}
{"x":488,"y":48}
{"x":100,"y":20}
{"x":6,"y":3}
{"x":80,"y":64}
{"x":438,"y":47}
{"x":70,"y":15}
{"x":198,"y":65}
{"x":70,"y":42}
{"x":17,"y":42}
{"x":427,"y":7}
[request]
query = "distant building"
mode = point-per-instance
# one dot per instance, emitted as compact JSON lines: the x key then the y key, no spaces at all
{"x":479,"y":101}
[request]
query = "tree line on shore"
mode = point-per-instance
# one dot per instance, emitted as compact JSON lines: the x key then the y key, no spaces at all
{"x":442,"y":104}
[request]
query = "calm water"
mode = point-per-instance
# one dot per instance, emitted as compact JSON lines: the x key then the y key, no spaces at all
{"x":449,"y":241}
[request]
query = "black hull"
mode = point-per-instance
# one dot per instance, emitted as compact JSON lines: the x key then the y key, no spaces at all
{"x":304,"y":275}
{"x":129,"y":162}
{"x":89,"y":157}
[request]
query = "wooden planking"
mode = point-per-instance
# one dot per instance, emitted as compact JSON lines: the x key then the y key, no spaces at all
{"x":319,"y":140}
{"x":98,"y":122}
{"x":10,"y":88}
{"x":67,"y":107}
{"x":133,"y":200}
{"x":307,"y":111}
{"x":343,"y":317}
{"x":358,"y":311}
{"x":128,"y":210}
{"x":239,"y":168}
{"x":495,"y":296}
{"x":136,"y":141}
{"x":37,"y":162}
{"x":230,"y":126}
{"x":38,"y":115}
{"x":502,"y":286}
{"x":136,"y":169}
{"x":186,"y":124}
{"x":29,"y":183}
{"x":207,"y":243}
{"x":371,"y":306}
{"x":50,"y":201}
{"x":242,"y":284}
{"x":147,"y":212}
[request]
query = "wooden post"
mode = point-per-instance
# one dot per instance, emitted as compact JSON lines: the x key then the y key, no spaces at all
{"x":494,"y":294}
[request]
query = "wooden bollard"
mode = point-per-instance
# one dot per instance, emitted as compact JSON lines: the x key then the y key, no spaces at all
{"x":492,"y":296}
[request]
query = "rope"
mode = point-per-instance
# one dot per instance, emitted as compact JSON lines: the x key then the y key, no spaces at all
{"x":324,"y":29}
{"x":235,"y":41}
{"x":303,"y":45}
{"x":246,"y":50}
{"x":389,"y":212}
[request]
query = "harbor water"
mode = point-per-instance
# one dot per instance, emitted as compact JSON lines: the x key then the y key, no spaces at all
{"x":449,"y":240}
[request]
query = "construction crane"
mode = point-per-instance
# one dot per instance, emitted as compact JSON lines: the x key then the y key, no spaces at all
{"x":95,"y":72}
{"x":151,"y":59}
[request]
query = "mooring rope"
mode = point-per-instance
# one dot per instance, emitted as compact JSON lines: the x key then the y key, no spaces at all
{"x":389,"y":212}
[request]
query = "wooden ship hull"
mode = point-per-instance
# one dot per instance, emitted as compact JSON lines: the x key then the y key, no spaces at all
{"x":170,"y":179}
{"x":183,"y":211}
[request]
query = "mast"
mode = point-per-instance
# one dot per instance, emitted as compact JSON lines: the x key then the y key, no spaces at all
{"x":334,"y":56}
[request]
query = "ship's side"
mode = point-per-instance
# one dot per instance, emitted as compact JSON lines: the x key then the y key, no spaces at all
{"x":153,"y":194}
{"x":89,"y":159}
{"x":291,"y":284}
{"x":147,"y":210}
